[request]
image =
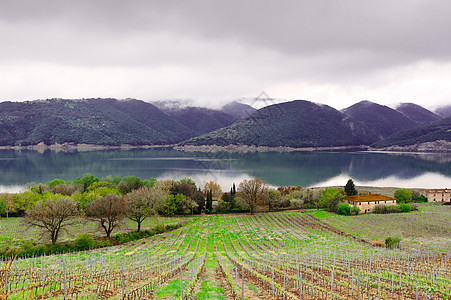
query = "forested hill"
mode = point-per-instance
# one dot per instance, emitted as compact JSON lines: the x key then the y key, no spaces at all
{"x":200,"y":119}
{"x":294,"y":124}
{"x":431,"y":132}
{"x":417,"y":113}
{"x":297,"y":123}
{"x":88,"y":121}
{"x":380,"y":121}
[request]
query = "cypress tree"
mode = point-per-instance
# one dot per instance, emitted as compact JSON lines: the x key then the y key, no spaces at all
{"x":209,"y":201}
{"x":350,"y":188}
{"x":232,"y":196}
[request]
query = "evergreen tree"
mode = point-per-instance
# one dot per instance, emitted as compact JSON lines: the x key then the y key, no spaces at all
{"x":350,"y":188}
{"x":209,"y":201}
{"x":232,"y":196}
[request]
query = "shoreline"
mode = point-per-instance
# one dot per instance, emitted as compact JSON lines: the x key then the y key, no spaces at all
{"x":247,"y":149}
{"x":69,"y":147}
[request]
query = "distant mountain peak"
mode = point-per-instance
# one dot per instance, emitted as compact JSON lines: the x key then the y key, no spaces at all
{"x":297,"y":123}
{"x":380,"y":121}
{"x":417,"y":113}
{"x":173,"y":105}
{"x":237,"y":109}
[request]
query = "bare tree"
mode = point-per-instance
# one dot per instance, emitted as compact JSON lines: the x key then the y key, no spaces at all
{"x":143,"y":203}
{"x":252,"y":192}
{"x":107,"y":211}
{"x":67,"y":189}
{"x":52,"y":216}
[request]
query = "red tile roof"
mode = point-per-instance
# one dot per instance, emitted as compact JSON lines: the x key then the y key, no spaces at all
{"x":368,"y":198}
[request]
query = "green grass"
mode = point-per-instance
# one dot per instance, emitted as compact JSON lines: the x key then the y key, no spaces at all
{"x":321,"y":214}
{"x":172,"y":289}
{"x":13,"y":232}
{"x":210,"y":290}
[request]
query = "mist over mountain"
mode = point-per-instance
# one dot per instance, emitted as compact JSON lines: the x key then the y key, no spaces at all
{"x":200,"y":119}
{"x":238,"y":110}
{"x":444,"y":111}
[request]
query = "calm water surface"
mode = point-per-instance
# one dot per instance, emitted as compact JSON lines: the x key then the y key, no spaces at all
{"x":298,"y":168}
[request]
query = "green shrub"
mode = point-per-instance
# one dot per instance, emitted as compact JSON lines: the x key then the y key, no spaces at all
{"x":30,"y":250}
{"x":84,"y":242}
{"x":421,"y":198}
{"x":403,"y":195}
{"x":386,"y":209}
{"x":159,"y":228}
{"x":27,"y":247}
{"x":170,"y":227}
{"x":55,"y":182}
{"x":355,"y":210}
{"x":404,"y":207}
{"x":54,"y":248}
{"x":222,"y":206}
{"x":103,"y":243}
{"x":330,"y":199}
{"x":344,"y":209}
{"x":392,"y":242}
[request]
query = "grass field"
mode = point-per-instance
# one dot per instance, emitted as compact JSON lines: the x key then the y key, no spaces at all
{"x":428,"y":227}
{"x":289,"y":255}
{"x":13,"y":232}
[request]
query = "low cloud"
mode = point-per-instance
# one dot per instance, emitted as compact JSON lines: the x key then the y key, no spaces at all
{"x":331,"y":52}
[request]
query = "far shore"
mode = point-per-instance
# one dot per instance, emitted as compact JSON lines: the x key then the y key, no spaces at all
{"x":69,"y":147}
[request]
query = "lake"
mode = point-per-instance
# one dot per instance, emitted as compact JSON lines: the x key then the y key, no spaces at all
{"x":307,"y":169}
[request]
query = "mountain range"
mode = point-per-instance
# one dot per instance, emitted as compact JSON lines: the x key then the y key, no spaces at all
{"x":298,"y":123}
{"x":88,"y":121}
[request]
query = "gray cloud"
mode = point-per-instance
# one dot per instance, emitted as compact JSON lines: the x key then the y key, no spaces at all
{"x":224,"y":49}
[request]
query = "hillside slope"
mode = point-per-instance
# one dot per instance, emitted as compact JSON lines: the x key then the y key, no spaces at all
{"x":426,"y":133}
{"x":379,"y":121}
{"x":200,"y":119}
{"x":294,"y":124}
{"x":238,"y":110}
{"x":88,"y":121}
{"x":417,"y":113}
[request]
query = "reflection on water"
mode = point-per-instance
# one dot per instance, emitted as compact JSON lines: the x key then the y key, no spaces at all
{"x":298,"y":168}
{"x":426,"y":180}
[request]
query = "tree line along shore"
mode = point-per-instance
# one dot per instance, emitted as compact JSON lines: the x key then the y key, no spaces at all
{"x":107,"y":201}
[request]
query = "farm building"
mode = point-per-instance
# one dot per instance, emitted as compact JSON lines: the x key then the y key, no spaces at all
{"x":215,"y":201}
{"x":438,"y":195}
{"x":367,"y":202}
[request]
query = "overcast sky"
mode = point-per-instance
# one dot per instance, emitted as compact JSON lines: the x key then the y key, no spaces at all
{"x":332,"y":52}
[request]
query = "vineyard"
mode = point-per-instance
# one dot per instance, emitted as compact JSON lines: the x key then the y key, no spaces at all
{"x":12,"y":229}
{"x":289,"y":255}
